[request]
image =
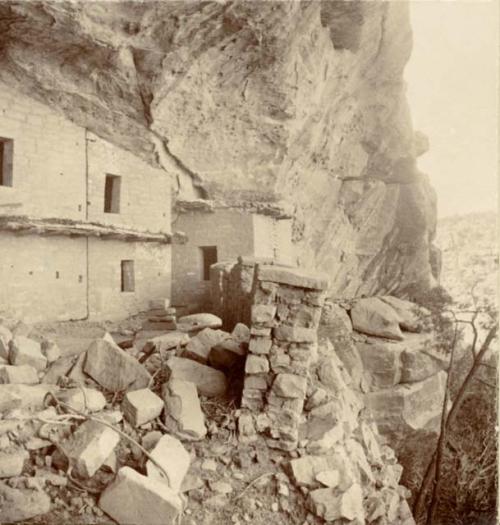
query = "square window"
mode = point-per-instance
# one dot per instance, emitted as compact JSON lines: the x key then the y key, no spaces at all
{"x":112,"y":194}
{"x":128,"y":276}
{"x":208,"y":257}
{"x":6,"y":161}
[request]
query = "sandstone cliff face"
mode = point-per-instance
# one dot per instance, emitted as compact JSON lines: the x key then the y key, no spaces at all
{"x":302,"y":101}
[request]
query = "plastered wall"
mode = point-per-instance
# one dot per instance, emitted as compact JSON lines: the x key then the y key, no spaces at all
{"x":49,"y":160}
{"x":42,"y":278}
{"x":272,"y":238}
{"x":50,"y":179}
{"x":231,"y":231}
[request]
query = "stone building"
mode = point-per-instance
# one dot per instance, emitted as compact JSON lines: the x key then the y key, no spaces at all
{"x":218,"y":231}
{"x":84,"y":225}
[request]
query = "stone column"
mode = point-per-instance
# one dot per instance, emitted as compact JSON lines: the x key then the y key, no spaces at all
{"x":286,"y":311}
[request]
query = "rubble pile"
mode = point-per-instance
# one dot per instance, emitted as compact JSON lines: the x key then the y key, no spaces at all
{"x":147,"y":427}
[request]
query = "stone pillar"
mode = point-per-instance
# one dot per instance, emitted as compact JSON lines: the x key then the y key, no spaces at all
{"x":285,"y":313}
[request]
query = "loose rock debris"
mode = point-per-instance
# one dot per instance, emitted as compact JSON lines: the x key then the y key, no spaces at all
{"x":148,"y":434}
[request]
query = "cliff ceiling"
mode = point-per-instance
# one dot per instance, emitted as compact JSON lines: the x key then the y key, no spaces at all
{"x":301,"y":101}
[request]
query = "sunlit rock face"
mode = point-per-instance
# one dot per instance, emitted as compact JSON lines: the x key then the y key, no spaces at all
{"x":303,"y":101}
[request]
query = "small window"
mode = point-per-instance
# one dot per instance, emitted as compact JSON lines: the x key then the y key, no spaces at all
{"x":128,"y":276}
{"x":112,"y":194}
{"x":6,"y":161}
{"x":208,"y":257}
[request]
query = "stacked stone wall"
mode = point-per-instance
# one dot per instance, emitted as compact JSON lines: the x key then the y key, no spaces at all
{"x":285,"y":314}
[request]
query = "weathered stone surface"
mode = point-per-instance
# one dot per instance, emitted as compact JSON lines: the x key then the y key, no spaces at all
{"x":373,"y":316}
{"x":328,"y":478}
{"x":290,"y":385}
{"x":22,"y":504}
{"x":141,"y":406}
{"x":260,"y":345}
{"x":292,"y":276}
{"x":241,"y":333}
{"x":381,"y":362}
{"x":183,"y":414}
{"x":134,"y":498}
{"x":25,"y":374}
{"x":418,"y":366}
{"x":12,"y":463}
{"x":263,"y":314}
{"x":199,"y":321}
{"x":25,"y":351}
{"x":208,"y":381}
{"x":113,"y":368}
{"x":89,"y":447}
{"x":83,"y":399}
{"x":174,"y":459}
{"x":5,"y":338}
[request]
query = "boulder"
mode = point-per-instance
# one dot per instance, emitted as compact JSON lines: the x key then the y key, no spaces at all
{"x":208,"y":381}
{"x":113,"y":368}
{"x":381,"y":362}
{"x":373,"y":316}
{"x":410,"y":315}
{"x":89,"y":447}
{"x":83,"y":399}
{"x":174,"y":459}
{"x":25,"y":351}
{"x":134,"y":498}
{"x":25,"y":374}
{"x":195,"y":322}
{"x":141,"y":406}
{"x":183,"y":414}
{"x":5,"y":338}
{"x":22,"y":504}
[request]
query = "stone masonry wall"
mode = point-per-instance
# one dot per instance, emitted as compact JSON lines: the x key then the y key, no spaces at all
{"x":285,"y":315}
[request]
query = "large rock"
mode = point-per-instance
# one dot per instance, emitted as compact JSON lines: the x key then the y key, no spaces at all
{"x":21,"y":504}
{"x":25,"y":351}
{"x":331,"y":505}
{"x":208,"y":381}
{"x":411,"y":316}
{"x":198,"y":348}
{"x":133,"y":498}
{"x":141,"y":406}
{"x":373,"y":316}
{"x":381,"y":362}
{"x":113,"y":368}
{"x":183,"y":414}
{"x":89,"y":447}
{"x":173,"y":458}
{"x":83,"y":399}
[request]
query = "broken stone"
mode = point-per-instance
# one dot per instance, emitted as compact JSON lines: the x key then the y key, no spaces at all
{"x":160,"y":325}
{"x":330,"y":505}
{"x":246,"y":426}
{"x":141,"y":406}
{"x":23,"y":396}
{"x":12,"y":463}
{"x":51,"y":351}
{"x":241,"y":333}
{"x":113,"y":368}
{"x":134,"y":498}
{"x":58,"y":368}
{"x":199,"y":321}
{"x":209,"y":465}
{"x":289,"y":385}
{"x":150,"y":439}
{"x":166,"y":341}
{"x":174,"y":459}
{"x":226,"y":354}
{"x":208,"y":381}
{"x":89,"y":447}
{"x":317,"y":398}
{"x":373,"y":316}
{"x":222,"y":487}
{"x":83,"y":399}
{"x":328,"y":478}
{"x":381,"y":362}
{"x":256,"y":365}
{"x":183,"y":414}
{"x":5,"y":338}
{"x":77,"y":375}
{"x":25,"y":351}
{"x":21,"y":504}
{"x":25,"y":374}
